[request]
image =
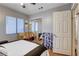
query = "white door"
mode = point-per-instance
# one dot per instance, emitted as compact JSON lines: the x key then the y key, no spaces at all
{"x":62,"y":32}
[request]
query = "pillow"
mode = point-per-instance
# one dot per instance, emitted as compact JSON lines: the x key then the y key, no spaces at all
{"x":3,"y":51}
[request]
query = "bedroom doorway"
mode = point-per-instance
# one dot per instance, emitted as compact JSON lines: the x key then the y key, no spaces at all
{"x":35,"y":26}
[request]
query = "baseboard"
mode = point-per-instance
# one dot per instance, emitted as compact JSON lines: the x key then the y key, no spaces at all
{"x":64,"y":52}
{"x":61,"y":54}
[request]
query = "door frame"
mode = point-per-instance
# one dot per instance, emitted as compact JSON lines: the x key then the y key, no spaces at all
{"x":73,"y":30}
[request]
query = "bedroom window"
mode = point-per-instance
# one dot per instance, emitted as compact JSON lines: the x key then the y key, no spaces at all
{"x":10,"y":25}
{"x":14,"y":25}
{"x":34,"y":26}
{"x":20,"y":25}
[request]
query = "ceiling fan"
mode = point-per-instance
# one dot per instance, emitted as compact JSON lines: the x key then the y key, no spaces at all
{"x":24,"y":5}
{"x":33,"y":3}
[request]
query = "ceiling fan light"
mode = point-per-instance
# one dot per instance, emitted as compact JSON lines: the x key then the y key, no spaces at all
{"x":21,"y":3}
{"x":33,"y":3}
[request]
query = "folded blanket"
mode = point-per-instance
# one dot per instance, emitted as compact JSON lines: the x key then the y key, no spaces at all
{"x":3,"y":51}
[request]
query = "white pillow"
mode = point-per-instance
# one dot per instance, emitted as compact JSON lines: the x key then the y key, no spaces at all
{"x":3,"y":50}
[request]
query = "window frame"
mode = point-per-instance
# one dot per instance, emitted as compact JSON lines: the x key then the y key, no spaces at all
{"x":16,"y":24}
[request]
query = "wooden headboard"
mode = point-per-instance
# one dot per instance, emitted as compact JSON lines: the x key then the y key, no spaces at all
{"x":26,"y":35}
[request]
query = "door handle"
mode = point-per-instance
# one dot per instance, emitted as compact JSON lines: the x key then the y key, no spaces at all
{"x":55,"y":35}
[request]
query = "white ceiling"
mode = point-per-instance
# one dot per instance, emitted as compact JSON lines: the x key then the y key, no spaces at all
{"x":32,"y":9}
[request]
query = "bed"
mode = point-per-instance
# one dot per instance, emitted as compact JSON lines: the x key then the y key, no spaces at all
{"x":21,"y":48}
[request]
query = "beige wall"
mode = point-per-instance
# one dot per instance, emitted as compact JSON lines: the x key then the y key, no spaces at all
{"x":8,"y":12}
{"x":46,"y":20}
{"x":47,"y":17}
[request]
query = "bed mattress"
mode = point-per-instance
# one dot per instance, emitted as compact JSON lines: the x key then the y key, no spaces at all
{"x":19,"y":48}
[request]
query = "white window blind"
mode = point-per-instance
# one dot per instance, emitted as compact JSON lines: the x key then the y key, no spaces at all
{"x":10,"y":25}
{"x":14,"y":25}
{"x":34,"y":26}
{"x":20,"y":25}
